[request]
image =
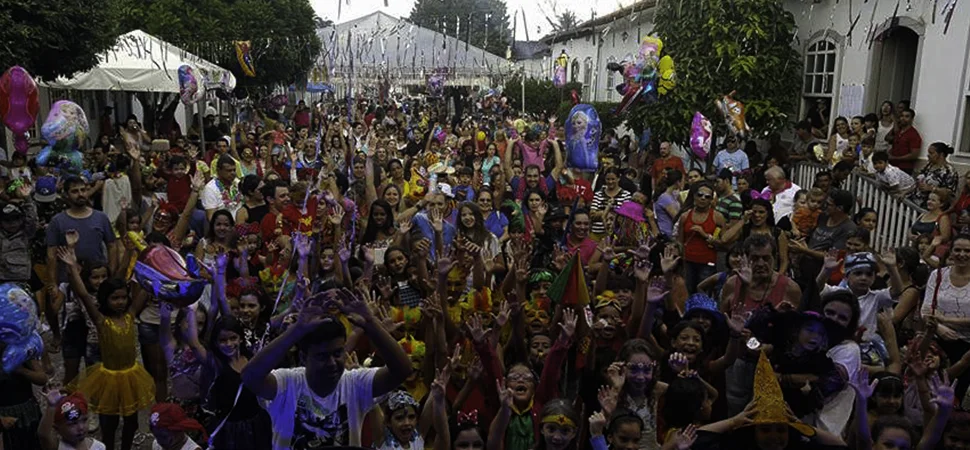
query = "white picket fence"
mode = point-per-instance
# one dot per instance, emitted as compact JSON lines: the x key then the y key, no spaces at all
{"x":895,"y":215}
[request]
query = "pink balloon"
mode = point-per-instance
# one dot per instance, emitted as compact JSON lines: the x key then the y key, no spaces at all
{"x":18,"y":104}
{"x":167,"y":262}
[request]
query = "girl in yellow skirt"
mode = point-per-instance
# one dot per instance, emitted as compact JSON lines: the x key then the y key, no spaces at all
{"x":118,"y":386}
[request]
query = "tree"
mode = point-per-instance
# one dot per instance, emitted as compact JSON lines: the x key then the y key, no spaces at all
{"x":541,"y":97}
{"x":739,"y":45}
{"x":564,"y":22}
{"x":52,"y":38}
{"x":282,"y":33}
{"x":482,"y":23}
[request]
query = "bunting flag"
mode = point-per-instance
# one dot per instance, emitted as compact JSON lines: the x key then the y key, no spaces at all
{"x":569,"y":288}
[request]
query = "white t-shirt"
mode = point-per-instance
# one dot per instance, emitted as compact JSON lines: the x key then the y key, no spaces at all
{"x":302,"y":420}
{"x":189,"y":445}
{"x":869,"y":305}
{"x":212,"y":197}
{"x":95,"y":445}
{"x":837,"y":409}
{"x":951,"y":301}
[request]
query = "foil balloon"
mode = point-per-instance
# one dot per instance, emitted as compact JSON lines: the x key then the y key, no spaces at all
{"x":665,"y":81}
{"x":18,"y":104}
{"x":733,"y":112}
{"x":18,"y":327}
{"x":520,"y":126}
{"x":168,"y":276}
{"x":65,"y":130}
{"x":245,"y":59}
{"x":436,"y":84}
{"x":559,"y":71}
{"x":583,"y":138}
{"x":700,"y":135}
{"x":191,"y":84}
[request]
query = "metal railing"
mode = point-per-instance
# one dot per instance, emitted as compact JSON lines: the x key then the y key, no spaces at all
{"x":895,"y":215}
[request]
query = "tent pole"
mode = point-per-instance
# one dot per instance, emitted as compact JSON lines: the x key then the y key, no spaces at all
{"x":201,"y":129}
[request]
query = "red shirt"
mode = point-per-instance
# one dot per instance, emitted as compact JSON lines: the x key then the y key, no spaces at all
{"x":661,"y":165}
{"x":903,"y":144}
{"x":567,"y":193}
{"x":178,"y":189}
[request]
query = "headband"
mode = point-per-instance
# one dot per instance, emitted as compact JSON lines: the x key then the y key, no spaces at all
{"x":469,"y":419}
{"x":171,"y":417}
{"x":560,"y":420}
{"x":401,"y":399}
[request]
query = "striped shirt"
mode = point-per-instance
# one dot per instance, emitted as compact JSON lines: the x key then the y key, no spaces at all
{"x":603,"y":202}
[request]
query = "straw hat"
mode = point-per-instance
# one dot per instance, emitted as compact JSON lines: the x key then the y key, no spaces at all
{"x":769,"y":401}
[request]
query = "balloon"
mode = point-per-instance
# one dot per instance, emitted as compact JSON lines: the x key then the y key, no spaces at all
{"x":244,"y":58}
{"x":18,"y":104}
{"x":666,"y":69}
{"x":436,"y":84}
{"x":18,"y":327}
{"x":65,"y":130}
{"x":733,"y":112}
{"x":575,"y":96}
{"x":191,"y":85}
{"x":583,"y":138}
{"x":520,"y":126}
{"x":700,"y":135}
{"x":480,"y":136}
{"x":163,"y":272}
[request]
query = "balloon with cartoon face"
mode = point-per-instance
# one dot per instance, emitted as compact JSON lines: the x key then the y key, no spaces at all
{"x":18,"y":327}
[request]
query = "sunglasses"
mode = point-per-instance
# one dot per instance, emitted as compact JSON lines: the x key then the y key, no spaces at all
{"x":705,"y":196}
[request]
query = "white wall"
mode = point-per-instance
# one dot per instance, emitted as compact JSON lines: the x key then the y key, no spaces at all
{"x":940,"y":75}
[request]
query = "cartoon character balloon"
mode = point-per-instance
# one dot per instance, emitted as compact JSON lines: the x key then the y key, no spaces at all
{"x":191,"y":84}
{"x":646,"y":76}
{"x":168,"y":276}
{"x":700,"y":135}
{"x":18,"y":327}
{"x":436,"y":84}
{"x":245,"y":59}
{"x":583,"y":138}
{"x":559,"y":71}
{"x":733,"y":112}
{"x":65,"y":130}
{"x":18,"y":104}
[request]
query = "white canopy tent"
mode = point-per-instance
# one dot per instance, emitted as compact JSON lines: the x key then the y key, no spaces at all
{"x":139,"y":62}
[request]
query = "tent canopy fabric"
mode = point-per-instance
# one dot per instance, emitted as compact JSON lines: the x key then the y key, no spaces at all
{"x":139,"y":62}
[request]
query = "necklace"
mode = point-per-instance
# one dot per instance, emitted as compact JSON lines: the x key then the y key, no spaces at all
{"x":229,"y":196}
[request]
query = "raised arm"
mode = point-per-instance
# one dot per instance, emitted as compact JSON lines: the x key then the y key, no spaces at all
{"x":67,"y":256}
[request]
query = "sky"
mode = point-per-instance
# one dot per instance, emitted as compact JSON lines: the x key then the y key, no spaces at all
{"x":535,"y":11}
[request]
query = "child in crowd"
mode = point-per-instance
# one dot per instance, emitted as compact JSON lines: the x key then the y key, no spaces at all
{"x":891,"y":178}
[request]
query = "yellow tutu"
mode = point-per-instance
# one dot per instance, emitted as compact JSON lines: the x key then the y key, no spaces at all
{"x":116,"y":392}
{"x":119,"y":386}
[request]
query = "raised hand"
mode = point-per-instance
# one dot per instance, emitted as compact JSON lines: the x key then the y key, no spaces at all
{"x":669,"y":260}
{"x":641,"y":263}
{"x":503,"y":314}
{"x":860,"y":383}
{"x":684,"y":439}
{"x":744,"y":270}
{"x":616,"y":374}
{"x":568,"y":323}
{"x":310,"y":317}
{"x":66,"y":254}
{"x":606,"y":249}
{"x":678,"y":362}
{"x":942,"y":391}
{"x":832,"y":261}
{"x":657,"y":291}
{"x":353,"y":307}
{"x":476,"y":330}
{"x":445,"y":264}
{"x":72,"y":237}
{"x":303,"y":244}
{"x":887,"y":257}
{"x":336,"y":213}
{"x":504,"y":394}
{"x":736,"y":323}
{"x":597,"y":423}
{"x":352,"y":362}
{"x":437,"y":220}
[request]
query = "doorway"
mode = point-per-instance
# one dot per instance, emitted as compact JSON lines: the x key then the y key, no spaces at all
{"x":893,"y":66}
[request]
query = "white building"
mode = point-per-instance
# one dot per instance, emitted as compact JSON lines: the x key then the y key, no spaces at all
{"x":897,"y":50}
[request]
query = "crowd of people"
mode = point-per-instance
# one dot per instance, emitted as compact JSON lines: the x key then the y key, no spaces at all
{"x":398,"y":277}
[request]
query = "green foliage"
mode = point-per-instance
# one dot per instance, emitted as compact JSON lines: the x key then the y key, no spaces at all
{"x":720,"y":46}
{"x":540,"y":95}
{"x":465,"y":20}
{"x":51,"y":38}
{"x":282,"y":33}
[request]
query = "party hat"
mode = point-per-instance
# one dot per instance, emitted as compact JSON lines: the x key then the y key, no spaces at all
{"x":769,"y":401}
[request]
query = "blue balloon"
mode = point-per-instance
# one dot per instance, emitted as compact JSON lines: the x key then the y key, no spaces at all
{"x":18,"y":327}
{"x":583,"y":131}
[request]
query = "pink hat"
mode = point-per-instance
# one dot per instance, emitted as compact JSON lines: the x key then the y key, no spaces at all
{"x":631,"y":210}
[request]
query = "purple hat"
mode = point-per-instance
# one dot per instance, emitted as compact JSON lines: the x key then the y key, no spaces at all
{"x":45,"y":190}
{"x":631,"y":210}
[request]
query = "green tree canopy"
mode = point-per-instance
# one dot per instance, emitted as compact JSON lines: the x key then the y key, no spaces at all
{"x":282,"y":33}
{"x":466,"y":20}
{"x":51,"y":38}
{"x":720,"y":46}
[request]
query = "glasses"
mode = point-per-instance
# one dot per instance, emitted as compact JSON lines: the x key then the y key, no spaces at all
{"x":705,"y":196}
{"x":519,"y":377}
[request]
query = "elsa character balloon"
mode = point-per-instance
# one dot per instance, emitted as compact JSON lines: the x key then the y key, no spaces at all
{"x":582,"y":138}
{"x":700,"y":135}
{"x":65,"y":129}
{"x":18,"y":327}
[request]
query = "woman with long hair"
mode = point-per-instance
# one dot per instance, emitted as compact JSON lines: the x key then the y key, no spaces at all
{"x":936,"y":175}
{"x":887,"y":121}
{"x":838,"y":140}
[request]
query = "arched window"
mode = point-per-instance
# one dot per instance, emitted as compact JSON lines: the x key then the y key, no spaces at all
{"x":574,"y":71}
{"x":819,"y":78}
{"x":587,"y":79}
{"x":610,"y":79}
